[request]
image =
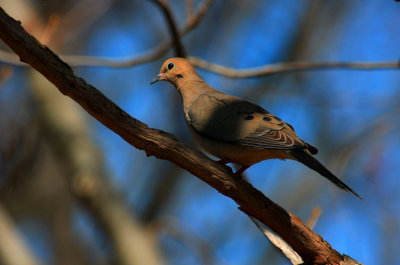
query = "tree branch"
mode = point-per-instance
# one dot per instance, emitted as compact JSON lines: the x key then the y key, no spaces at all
{"x":265,"y":70}
{"x":150,"y":55}
{"x":192,"y":22}
{"x":271,"y":69}
{"x":310,"y":246}
{"x":178,"y":46}
{"x":189,"y":9}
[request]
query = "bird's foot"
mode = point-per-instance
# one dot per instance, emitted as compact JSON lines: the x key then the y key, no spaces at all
{"x":240,"y":171}
{"x":224,"y":161}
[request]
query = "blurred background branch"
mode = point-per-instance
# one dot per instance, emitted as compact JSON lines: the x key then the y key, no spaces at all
{"x":265,"y":70}
{"x":192,"y":21}
{"x":271,"y":69}
{"x":176,"y":38}
{"x":13,"y":250}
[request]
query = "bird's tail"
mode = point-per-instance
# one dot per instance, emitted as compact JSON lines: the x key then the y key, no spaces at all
{"x":314,"y":164}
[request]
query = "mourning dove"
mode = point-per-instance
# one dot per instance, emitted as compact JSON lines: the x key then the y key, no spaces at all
{"x":235,"y":130}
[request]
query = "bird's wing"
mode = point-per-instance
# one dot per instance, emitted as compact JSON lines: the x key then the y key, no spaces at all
{"x":231,"y":119}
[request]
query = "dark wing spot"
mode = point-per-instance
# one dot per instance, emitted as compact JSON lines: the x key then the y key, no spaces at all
{"x":267,"y":119}
{"x":278,"y":119}
{"x":249,"y":117}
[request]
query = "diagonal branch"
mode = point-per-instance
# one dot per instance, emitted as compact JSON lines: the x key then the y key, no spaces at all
{"x":178,"y":46}
{"x":310,"y":246}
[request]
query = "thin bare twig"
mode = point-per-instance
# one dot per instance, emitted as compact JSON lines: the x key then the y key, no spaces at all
{"x":5,"y":73}
{"x":271,"y":69}
{"x":189,"y":9}
{"x":178,"y":46}
{"x":315,"y":214}
{"x":266,"y":70}
{"x":50,"y":29}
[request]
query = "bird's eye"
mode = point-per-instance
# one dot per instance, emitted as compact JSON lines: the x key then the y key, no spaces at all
{"x":170,"y":66}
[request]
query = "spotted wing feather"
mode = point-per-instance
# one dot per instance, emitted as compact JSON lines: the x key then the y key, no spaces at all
{"x":234,"y":120}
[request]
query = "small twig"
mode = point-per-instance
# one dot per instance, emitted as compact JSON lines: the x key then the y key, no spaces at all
{"x":202,"y":10}
{"x":315,"y":214}
{"x":5,"y":73}
{"x":50,"y":29}
{"x":266,"y":70}
{"x":271,"y":69}
{"x":189,"y":9}
{"x":178,"y":46}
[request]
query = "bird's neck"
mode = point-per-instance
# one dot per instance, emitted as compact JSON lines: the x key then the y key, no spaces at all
{"x":191,"y":89}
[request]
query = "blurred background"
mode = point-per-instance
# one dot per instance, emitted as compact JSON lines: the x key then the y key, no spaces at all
{"x":73,"y":192}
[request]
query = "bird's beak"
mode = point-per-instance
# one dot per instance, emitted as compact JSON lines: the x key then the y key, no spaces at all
{"x":156,"y":79}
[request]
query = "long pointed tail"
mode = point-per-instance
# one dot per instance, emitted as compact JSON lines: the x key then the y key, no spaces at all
{"x":314,"y":164}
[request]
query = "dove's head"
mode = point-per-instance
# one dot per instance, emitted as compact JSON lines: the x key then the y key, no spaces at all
{"x":175,"y":70}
